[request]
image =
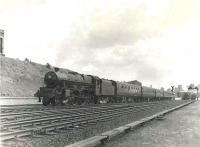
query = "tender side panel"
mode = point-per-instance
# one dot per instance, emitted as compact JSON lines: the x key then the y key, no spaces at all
{"x":107,"y":88}
{"x":148,"y":92}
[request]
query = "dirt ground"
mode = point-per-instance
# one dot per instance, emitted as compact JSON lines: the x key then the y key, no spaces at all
{"x":18,"y":101}
{"x":21,"y":78}
{"x":180,"y":128}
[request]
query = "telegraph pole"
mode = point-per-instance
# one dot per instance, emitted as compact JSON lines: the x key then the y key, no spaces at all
{"x":197,"y":88}
{"x":1,"y":41}
{"x":172,"y":90}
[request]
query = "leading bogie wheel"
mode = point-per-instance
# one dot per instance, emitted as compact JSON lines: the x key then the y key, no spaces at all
{"x":45,"y":101}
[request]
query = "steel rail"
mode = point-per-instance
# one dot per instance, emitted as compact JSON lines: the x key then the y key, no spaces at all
{"x":50,"y":118}
{"x":97,"y":107}
{"x":80,"y":120}
{"x":60,"y":113}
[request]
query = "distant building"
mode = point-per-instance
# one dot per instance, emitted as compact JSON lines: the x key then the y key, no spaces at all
{"x":169,"y":90}
{"x":179,"y":91}
{"x":198,"y":86}
{"x":1,"y":41}
{"x":191,"y":86}
{"x":162,"y":88}
{"x":180,"y":88}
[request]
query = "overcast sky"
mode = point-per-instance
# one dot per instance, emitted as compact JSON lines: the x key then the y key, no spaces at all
{"x":154,"y":41}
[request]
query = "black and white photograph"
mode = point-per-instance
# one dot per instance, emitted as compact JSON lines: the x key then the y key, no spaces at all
{"x":99,"y":73}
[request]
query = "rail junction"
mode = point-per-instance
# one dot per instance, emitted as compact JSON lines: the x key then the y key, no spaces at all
{"x":36,"y":121}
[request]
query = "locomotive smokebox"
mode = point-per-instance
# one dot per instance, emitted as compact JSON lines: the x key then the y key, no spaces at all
{"x":50,"y":79}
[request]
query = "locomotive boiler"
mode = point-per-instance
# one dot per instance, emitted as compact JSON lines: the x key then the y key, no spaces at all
{"x":66,"y":87}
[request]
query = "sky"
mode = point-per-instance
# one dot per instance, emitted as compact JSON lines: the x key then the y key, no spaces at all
{"x":153,"y":41}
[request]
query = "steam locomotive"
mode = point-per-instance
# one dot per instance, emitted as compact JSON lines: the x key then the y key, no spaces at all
{"x":76,"y":89}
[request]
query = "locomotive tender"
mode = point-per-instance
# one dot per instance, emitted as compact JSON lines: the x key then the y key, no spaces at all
{"x":74,"y":88}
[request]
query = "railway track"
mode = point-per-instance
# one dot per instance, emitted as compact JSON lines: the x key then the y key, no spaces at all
{"x":34,"y":120}
{"x":38,"y":112}
{"x":31,"y":107}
